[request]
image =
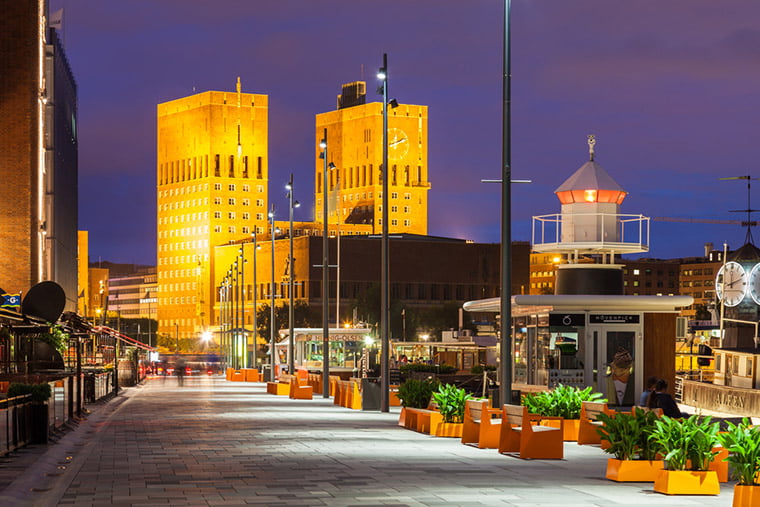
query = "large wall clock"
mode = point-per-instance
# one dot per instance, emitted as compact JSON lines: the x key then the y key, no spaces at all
{"x":754,"y":283}
{"x":731,"y":283}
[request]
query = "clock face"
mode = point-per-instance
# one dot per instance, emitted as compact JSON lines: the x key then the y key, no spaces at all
{"x":731,"y":283}
{"x":754,"y":283}
{"x":398,"y":143}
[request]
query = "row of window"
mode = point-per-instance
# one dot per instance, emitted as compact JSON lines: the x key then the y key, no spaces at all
{"x":194,"y":168}
{"x":355,"y":177}
{"x":232,"y":201}
{"x":191,"y":189}
{"x":184,"y":245}
{"x":698,"y":283}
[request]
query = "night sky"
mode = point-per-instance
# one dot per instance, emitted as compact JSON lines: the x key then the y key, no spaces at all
{"x":670,"y":88}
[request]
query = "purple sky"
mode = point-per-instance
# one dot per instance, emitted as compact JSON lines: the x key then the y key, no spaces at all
{"x":671,"y":90}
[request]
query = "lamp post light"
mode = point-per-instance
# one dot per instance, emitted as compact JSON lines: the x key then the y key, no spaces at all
{"x":176,"y":337}
{"x":382,"y":74}
{"x":291,"y":279}
{"x":272,"y":290}
{"x":244,"y":334}
{"x":235,"y":314}
{"x":505,"y":393}
{"x":325,"y":275}
{"x":255,"y":304}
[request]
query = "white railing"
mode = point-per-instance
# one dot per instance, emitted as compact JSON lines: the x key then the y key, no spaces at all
{"x":630,"y":233}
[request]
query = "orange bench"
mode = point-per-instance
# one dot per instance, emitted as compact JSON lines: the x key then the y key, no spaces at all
{"x":481,"y":424}
{"x":280,"y":386}
{"x":521,"y":433}
{"x":588,"y":424}
{"x":299,"y":386}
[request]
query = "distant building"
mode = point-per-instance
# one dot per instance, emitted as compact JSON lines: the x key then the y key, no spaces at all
{"x":355,"y":147}
{"x":38,"y":165}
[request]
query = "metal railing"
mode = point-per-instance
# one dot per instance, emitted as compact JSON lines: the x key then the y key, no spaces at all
{"x":619,"y":232}
{"x":15,"y":423}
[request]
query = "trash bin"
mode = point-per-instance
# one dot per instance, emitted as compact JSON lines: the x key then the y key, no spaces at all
{"x":266,"y":371}
{"x":370,"y":394}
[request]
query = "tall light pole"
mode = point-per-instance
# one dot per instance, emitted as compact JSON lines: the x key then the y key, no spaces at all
{"x":325,"y":275}
{"x":244,"y":337}
{"x":255,"y":302}
{"x":272,"y":290}
{"x":382,"y":74}
{"x":235,"y":314}
{"x":291,"y":279}
{"x":176,"y":337}
{"x":505,"y":391}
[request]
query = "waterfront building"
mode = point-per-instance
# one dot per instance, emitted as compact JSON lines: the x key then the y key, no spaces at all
{"x":355,"y":148}
{"x":38,"y":165}
{"x":212,"y":177}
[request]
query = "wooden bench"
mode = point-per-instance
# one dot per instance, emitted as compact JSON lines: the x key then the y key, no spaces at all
{"x":251,"y":375}
{"x":234,"y":375}
{"x":521,"y":433}
{"x":348,"y":394}
{"x":588,"y":425}
{"x":315,"y":381}
{"x":481,"y":424}
{"x":333,"y":379}
{"x":280,"y":386}
{"x":299,"y":386}
{"x":423,"y":420}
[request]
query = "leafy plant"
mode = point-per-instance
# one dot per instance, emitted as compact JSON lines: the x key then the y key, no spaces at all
{"x":416,"y":393}
{"x":563,"y":401}
{"x":427,"y":368}
{"x":451,"y":401}
{"x":40,"y":392}
{"x":478,"y":369}
{"x":56,"y":338}
{"x":686,"y":443}
{"x":629,"y":435}
{"x":743,"y":444}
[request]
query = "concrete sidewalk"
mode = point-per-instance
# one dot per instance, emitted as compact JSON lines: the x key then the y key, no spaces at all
{"x":214,"y":442}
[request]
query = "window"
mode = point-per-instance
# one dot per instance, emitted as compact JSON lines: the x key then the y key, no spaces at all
{"x":217,"y":200}
{"x":394,"y":195}
{"x":231,"y":229}
{"x":231,"y":215}
{"x":636,"y":272}
{"x":246,"y":216}
{"x":407,"y":196}
{"x":217,"y":186}
{"x":394,"y":222}
{"x":407,"y":222}
{"x":246,"y":202}
{"x":394,"y":209}
{"x":217,"y":228}
{"x":406,"y":209}
{"x":246,"y":188}
{"x":259,"y":188}
{"x":748,"y":373}
{"x":259,"y":202}
{"x":259,"y":216}
{"x":231,"y":201}
{"x":246,"y":230}
{"x":217,"y":214}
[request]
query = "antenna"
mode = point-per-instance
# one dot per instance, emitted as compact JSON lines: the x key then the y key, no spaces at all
{"x":749,"y":210}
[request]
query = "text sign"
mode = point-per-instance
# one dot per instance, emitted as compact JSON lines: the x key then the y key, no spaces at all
{"x":613,"y":318}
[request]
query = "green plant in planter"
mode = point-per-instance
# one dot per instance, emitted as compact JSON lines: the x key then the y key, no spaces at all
{"x":563,"y":401}
{"x":629,"y":435}
{"x":743,"y":444}
{"x":451,"y":401}
{"x":56,"y":338}
{"x":685,"y":441}
{"x":427,"y":368}
{"x":40,"y":392}
{"x":416,"y":393}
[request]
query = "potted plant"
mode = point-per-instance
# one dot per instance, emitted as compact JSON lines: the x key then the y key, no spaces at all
{"x":629,"y":441}
{"x":415,"y":393}
{"x":39,"y":395}
{"x":562,"y":401}
{"x":688,"y":449}
{"x":450,"y":400}
{"x":742,"y":441}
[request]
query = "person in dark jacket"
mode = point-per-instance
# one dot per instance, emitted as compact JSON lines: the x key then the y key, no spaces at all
{"x":661,"y":399}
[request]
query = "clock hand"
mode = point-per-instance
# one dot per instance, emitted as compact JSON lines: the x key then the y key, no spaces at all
{"x":395,"y":142}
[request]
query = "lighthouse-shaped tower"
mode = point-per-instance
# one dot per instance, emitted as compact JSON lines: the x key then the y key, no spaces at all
{"x":590,"y":226}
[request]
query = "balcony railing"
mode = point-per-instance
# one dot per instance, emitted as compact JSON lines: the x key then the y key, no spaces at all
{"x":608,"y":233}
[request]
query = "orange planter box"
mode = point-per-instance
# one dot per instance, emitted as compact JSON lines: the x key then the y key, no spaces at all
{"x":570,"y":431}
{"x":633,"y":470}
{"x":746,"y":496}
{"x":453,"y":430}
{"x":687,"y":482}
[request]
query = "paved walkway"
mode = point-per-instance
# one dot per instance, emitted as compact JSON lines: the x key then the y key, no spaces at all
{"x":214,"y":442}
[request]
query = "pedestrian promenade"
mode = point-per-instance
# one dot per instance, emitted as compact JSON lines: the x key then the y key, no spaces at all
{"x":213,"y":442}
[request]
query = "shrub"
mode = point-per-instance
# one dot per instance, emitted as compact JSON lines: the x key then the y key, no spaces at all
{"x":40,"y":392}
{"x":416,"y":393}
{"x":743,"y":444}
{"x":478,"y":369}
{"x":451,"y":401}
{"x":563,"y":401}
{"x":685,"y":441}
{"x":427,"y":368}
{"x":629,"y":435}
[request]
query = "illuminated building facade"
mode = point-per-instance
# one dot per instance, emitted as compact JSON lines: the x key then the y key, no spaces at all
{"x":212,"y":167}
{"x":355,"y":148}
{"x":38,"y":165}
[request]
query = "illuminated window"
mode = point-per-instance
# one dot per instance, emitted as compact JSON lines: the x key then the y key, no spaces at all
{"x":217,"y":186}
{"x":231,"y":187}
{"x":635,"y":271}
{"x":394,"y":209}
{"x":246,"y":202}
{"x":259,"y":188}
{"x":246,"y":230}
{"x":394,"y":195}
{"x":246,"y":216}
{"x":217,"y":228}
{"x":231,"y":201}
{"x":217,"y":214}
{"x":407,"y":222}
{"x":589,"y":195}
{"x":259,"y":216}
{"x":394,"y":222}
{"x":231,"y":229}
{"x":231,"y":215}
{"x":259,"y":202}
{"x":406,"y":209}
{"x":246,"y":188}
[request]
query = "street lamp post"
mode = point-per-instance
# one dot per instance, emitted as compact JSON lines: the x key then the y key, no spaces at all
{"x":325,"y":276}
{"x":244,"y":336}
{"x":385,"y":278}
{"x":255,"y":304}
{"x":176,"y":338}
{"x":272,"y":351}
{"x":291,"y":279}
{"x":236,"y":315}
{"x":505,"y":393}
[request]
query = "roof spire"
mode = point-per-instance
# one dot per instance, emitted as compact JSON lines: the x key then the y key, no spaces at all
{"x":591,"y":143}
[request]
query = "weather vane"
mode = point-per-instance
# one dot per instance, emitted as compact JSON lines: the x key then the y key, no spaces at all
{"x":591,"y":143}
{"x":749,"y":222}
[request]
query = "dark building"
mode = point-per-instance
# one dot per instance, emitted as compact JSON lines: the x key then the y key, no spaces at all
{"x":38,"y":162}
